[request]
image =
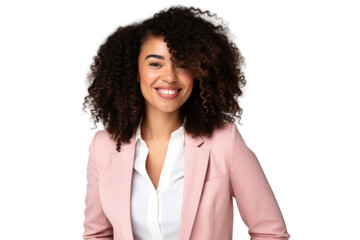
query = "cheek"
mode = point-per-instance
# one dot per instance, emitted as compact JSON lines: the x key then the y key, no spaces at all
{"x":190,"y":82}
{"x":148,"y":77}
{"x":186,"y":77}
{"x":189,"y":85}
{"x":189,"y":79}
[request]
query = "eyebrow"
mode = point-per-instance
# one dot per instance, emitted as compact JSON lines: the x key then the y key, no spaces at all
{"x":155,"y":56}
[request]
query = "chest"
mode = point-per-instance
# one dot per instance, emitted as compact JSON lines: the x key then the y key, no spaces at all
{"x":155,"y":161}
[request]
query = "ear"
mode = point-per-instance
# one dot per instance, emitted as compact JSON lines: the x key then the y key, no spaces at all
{"x":138,"y":78}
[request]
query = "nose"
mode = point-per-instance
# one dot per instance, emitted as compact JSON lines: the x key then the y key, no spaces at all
{"x":169,"y":74}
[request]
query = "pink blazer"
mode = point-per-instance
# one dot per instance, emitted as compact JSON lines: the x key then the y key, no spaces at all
{"x":216,"y":170}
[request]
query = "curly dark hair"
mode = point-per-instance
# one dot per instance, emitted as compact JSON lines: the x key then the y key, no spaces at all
{"x":194,"y":40}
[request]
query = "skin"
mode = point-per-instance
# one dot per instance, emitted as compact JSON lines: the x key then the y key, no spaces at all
{"x":161,"y":115}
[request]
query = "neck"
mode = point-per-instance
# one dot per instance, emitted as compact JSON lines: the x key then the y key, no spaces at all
{"x":159,"y":126}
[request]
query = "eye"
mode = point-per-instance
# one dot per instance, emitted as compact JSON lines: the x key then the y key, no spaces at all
{"x":154,"y":64}
{"x":182,"y":66}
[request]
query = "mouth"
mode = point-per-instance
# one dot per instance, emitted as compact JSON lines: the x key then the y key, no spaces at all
{"x":168,"y":93}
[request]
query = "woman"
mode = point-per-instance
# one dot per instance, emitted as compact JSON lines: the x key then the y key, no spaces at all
{"x":171,"y":159}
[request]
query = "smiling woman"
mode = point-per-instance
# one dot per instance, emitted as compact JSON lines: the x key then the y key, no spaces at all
{"x":195,"y":45}
{"x":171,"y":160}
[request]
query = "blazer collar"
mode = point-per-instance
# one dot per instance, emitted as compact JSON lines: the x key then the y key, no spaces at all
{"x":196,"y":162}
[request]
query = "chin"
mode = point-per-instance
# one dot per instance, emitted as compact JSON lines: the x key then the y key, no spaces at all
{"x":169,"y":109}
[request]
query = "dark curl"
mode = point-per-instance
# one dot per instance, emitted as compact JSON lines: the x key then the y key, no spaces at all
{"x":194,"y":40}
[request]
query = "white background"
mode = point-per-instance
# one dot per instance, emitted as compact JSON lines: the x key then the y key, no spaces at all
{"x":301,"y":109}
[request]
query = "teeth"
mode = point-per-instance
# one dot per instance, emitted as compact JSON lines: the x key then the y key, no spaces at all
{"x":165,"y":91}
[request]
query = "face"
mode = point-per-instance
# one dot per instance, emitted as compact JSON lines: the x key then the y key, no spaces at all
{"x":165,"y":87}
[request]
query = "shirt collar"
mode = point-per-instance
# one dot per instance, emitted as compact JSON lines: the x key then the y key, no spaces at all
{"x":174,"y":134}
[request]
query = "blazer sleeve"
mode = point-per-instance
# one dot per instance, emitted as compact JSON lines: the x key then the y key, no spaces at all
{"x":256,"y":202}
{"x":96,"y":224}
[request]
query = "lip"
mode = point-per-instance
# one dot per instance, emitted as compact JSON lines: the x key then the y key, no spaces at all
{"x":168,"y":96}
{"x":168,"y":88}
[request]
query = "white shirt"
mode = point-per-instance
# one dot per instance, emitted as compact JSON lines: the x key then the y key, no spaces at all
{"x":155,"y":213}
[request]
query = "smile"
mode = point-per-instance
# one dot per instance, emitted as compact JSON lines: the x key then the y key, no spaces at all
{"x":168,"y":93}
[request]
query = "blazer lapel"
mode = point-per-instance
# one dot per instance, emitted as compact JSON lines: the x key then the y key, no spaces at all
{"x":122,"y":171}
{"x":196,"y":162}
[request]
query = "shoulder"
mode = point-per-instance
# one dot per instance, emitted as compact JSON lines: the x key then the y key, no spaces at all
{"x":102,"y":143}
{"x":223,"y":133}
{"x":102,"y":137}
{"x":224,"y":137}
